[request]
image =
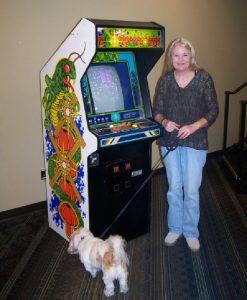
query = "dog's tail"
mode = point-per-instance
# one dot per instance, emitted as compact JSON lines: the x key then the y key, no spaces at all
{"x":118,"y":244}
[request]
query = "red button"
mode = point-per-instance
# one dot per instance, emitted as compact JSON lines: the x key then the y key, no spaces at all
{"x":116,"y":169}
{"x":128,"y":166}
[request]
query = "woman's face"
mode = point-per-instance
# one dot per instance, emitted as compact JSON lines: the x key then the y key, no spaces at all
{"x":181,"y":58}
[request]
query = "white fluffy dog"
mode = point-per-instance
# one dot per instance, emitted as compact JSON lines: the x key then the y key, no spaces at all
{"x":96,"y":254}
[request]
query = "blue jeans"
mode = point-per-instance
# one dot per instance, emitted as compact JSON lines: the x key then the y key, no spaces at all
{"x":184,"y":173}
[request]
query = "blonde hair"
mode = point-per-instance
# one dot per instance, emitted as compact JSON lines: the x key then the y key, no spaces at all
{"x":186,"y":44}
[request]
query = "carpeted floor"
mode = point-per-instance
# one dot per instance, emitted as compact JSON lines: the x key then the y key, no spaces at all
{"x":34,"y":263}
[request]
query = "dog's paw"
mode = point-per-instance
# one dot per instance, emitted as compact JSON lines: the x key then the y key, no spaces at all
{"x":108,"y":293}
{"x":124,"y":289}
{"x":109,"y":290}
{"x":93,"y":273}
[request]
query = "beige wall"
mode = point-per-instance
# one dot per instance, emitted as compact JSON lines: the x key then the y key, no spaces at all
{"x":31,"y":31}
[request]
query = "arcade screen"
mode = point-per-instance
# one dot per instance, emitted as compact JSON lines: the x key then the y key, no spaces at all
{"x":107,"y":90}
{"x":111,"y":90}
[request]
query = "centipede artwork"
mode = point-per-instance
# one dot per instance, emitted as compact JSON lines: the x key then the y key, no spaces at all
{"x":64,"y":141}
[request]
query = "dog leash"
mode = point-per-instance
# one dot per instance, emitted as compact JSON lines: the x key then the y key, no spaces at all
{"x":169,"y":149}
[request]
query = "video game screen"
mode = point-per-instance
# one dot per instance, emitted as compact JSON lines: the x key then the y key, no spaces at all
{"x":111,"y":88}
{"x":109,"y":91}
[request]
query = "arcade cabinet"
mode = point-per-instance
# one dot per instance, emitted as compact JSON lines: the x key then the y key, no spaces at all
{"x":98,"y":127}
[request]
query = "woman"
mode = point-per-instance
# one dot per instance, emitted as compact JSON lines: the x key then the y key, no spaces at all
{"x":186,"y":105}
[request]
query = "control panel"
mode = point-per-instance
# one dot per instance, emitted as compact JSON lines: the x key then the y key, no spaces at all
{"x":123,"y":132}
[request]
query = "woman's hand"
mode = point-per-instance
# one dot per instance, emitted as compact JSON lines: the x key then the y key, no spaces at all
{"x":170,"y":126}
{"x":186,"y":130}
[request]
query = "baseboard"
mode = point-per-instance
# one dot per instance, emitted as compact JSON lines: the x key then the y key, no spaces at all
{"x":215,"y":153}
{"x":159,"y":171}
{"x":22,"y":210}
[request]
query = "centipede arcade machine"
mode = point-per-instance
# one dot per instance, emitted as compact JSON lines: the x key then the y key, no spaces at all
{"x":98,"y":127}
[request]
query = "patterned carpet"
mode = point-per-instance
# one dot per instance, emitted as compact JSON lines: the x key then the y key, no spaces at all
{"x":34,"y":263}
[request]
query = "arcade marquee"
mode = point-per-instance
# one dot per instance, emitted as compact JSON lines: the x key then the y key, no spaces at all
{"x":98,"y":127}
